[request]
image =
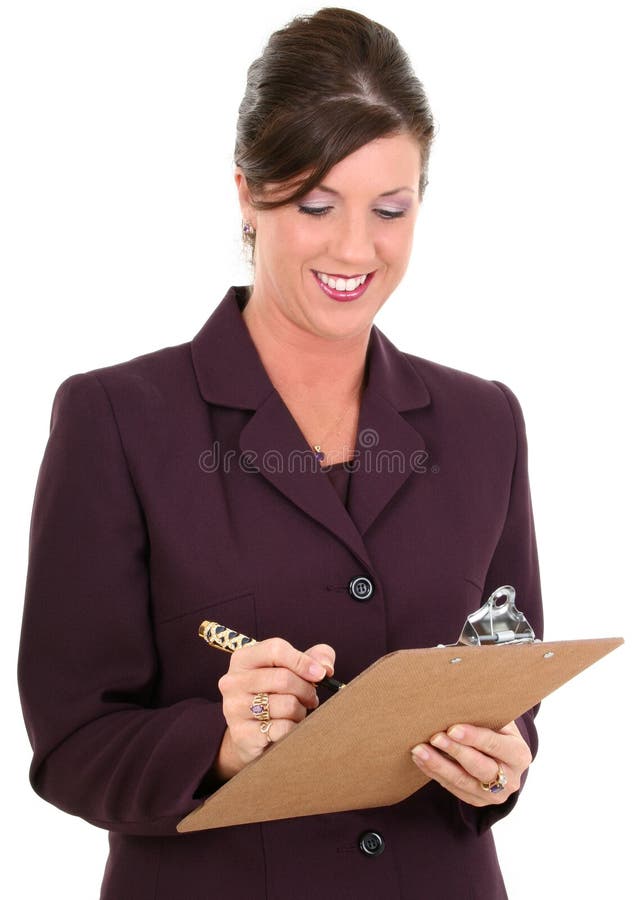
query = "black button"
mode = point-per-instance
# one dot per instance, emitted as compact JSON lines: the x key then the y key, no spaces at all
{"x":371,"y":843}
{"x":361,"y":588}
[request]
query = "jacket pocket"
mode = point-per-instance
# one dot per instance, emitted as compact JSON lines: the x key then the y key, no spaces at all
{"x":189,"y":666}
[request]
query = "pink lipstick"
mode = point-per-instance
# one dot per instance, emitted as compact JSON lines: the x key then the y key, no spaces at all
{"x":344,"y":296}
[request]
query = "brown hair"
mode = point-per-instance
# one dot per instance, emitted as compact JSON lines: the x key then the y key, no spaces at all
{"x":324,"y":86}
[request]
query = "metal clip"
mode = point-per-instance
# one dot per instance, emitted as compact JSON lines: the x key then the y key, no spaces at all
{"x":496,"y":623}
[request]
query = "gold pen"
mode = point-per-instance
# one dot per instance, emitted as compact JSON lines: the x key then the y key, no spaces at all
{"x":228,"y":640}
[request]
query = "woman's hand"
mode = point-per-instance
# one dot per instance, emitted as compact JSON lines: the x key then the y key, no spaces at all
{"x":472,"y":755}
{"x":276,"y":668}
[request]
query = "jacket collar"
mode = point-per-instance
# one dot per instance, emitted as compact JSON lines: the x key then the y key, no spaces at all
{"x":230,"y":373}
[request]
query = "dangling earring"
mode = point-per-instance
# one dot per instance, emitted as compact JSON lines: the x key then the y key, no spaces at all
{"x":248,"y":229}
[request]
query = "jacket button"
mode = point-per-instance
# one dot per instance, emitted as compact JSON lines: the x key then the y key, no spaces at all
{"x":371,"y":843}
{"x":361,"y":588}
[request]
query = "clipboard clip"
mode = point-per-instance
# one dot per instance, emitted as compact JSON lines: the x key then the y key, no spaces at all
{"x":496,"y":622}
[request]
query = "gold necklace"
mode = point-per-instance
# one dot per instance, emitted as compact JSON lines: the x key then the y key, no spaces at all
{"x":319,"y":454}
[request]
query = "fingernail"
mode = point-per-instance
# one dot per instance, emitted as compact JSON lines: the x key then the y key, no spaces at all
{"x":317,"y":671}
{"x":440,"y":740}
{"x":328,"y":666}
{"x":420,"y":752}
{"x":456,"y":733}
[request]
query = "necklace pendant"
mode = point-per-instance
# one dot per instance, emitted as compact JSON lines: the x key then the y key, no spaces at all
{"x":319,"y":454}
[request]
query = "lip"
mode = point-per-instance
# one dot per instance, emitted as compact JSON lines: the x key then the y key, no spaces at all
{"x":340,"y":275}
{"x":344,"y":296}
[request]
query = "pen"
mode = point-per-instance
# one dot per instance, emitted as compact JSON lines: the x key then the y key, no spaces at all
{"x":226,"y":639}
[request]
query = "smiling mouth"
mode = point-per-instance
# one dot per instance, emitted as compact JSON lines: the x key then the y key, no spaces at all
{"x":343,"y":287}
{"x":344,"y":283}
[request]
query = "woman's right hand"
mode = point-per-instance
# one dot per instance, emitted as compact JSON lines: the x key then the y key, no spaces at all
{"x":276,"y":668}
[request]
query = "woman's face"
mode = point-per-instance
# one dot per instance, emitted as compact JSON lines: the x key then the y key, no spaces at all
{"x":360,"y":221}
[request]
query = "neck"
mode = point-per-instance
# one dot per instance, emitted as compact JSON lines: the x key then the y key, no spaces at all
{"x":302,"y":360}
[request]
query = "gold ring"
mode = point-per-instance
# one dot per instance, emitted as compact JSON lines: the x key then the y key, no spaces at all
{"x":260,"y":707}
{"x":265,"y":728}
{"x":498,"y":784}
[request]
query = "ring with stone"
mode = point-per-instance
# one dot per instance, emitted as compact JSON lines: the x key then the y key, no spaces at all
{"x":498,"y":784}
{"x":260,"y":707}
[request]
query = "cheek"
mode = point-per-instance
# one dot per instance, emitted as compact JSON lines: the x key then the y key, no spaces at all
{"x":397,"y":247}
{"x":282,"y":264}
{"x":293,"y":247}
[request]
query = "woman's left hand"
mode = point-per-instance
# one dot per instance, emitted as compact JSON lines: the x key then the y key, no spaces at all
{"x":472,"y":755}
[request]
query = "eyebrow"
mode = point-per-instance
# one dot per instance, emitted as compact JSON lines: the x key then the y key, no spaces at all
{"x":329,"y":190}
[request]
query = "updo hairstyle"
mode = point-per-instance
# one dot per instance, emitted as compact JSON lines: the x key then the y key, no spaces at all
{"x":324,"y":86}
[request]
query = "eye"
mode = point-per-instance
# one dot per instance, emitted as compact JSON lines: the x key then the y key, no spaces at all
{"x":322,"y":210}
{"x":314,"y":210}
{"x":390,"y":213}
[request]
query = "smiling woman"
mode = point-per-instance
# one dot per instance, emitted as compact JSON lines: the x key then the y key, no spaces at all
{"x":331,"y":159}
{"x":135,"y":533}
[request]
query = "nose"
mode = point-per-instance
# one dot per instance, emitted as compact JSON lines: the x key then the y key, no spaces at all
{"x":352,"y":242}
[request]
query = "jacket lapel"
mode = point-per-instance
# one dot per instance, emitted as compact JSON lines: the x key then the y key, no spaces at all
{"x":230,"y":373}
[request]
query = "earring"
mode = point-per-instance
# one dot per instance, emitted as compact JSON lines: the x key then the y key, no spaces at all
{"x":248,"y":228}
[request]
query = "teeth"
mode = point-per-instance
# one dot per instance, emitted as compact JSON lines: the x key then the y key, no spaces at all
{"x":342,"y":284}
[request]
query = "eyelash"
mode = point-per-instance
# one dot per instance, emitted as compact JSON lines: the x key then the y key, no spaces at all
{"x":322,"y":210}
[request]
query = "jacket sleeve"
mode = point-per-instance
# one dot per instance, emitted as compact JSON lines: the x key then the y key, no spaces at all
{"x":87,"y":662}
{"x":515,"y":562}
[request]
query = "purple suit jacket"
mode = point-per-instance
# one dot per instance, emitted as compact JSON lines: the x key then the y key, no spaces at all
{"x":168,"y":494}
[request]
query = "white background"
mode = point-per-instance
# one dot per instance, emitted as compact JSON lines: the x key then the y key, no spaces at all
{"x":121,"y":233}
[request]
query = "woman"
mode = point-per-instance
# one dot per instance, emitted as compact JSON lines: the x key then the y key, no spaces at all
{"x":171,"y":491}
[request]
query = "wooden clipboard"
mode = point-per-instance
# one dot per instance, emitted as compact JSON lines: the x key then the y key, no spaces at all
{"x":401,"y":700}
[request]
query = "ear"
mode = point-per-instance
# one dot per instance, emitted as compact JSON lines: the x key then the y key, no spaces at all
{"x":247,"y":210}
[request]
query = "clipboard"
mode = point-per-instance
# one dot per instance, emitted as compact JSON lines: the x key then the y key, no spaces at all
{"x":495,"y":673}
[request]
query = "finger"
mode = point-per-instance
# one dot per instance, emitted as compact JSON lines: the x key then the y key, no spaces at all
{"x":325,"y":655}
{"x":280,"y":681}
{"x":507,"y":745}
{"x":237,"y":687}
{"x":477,"y":764}
{"x":277,"y":652}
{"x":253,"y":740}
{"x":454,"y":778}
{"x":512,"y":728}
{"x":281,"y":706}
{"x":285,"y":713}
